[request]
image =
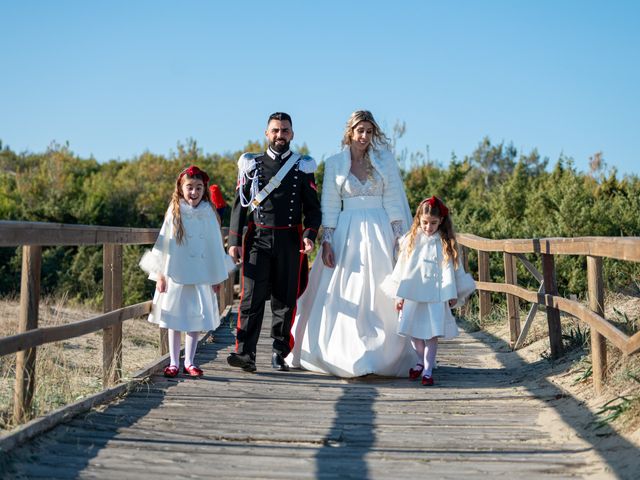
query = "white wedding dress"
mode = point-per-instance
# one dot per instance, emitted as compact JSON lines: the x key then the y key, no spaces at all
{"x":345,"y":324}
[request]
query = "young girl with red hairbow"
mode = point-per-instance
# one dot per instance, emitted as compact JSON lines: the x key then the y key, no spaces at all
{"x":427,"y":281}
{"x":188,"y":262}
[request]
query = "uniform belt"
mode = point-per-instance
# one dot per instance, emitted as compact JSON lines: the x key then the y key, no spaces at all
{"x":278,"y":227}
{"x":363,"y":202}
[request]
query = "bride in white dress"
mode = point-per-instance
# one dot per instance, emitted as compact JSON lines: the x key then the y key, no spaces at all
{"x":345,"y":324}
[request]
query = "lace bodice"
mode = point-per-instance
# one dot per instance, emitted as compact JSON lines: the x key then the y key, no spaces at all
{"x":352,"y":187}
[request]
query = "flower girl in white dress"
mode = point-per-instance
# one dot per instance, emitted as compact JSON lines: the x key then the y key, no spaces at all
{"x":427,"y":281}
{"x":188,"y":262}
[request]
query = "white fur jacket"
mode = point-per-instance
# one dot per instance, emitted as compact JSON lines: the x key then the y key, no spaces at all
{"x":200,"y":259}
{"x":422,"y":276}
{"x":394,"y":198}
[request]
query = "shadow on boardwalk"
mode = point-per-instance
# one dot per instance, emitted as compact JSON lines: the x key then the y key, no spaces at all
{"x":477,"y":422}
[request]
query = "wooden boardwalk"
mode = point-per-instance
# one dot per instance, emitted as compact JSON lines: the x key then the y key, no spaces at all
{"x":482,"y":420}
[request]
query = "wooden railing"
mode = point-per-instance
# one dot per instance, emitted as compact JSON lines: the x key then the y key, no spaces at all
{"x":594,"y":248}
{"x":32,"y":236}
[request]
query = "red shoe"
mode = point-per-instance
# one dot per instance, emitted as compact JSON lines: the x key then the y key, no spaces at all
{"x":427,"y":381}
{"x":414,"y":373}
{"x":171,"y":371}
{"x":193,"y":371}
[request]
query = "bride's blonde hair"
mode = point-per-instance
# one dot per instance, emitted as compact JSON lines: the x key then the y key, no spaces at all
{"x":379,"y":138}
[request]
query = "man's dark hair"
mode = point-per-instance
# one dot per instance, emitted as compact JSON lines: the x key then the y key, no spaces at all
{"x":280,"y":116}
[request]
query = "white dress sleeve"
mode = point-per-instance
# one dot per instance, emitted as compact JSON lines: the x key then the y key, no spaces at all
{"x":154,"y":261}
{"x":330,"y":202}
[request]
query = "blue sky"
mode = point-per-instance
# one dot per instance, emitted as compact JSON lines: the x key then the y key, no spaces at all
{"x":117,"y":78}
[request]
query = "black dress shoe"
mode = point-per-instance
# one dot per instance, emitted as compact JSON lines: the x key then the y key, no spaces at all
{"x":278,"y":363}
{"x":243,"y":361}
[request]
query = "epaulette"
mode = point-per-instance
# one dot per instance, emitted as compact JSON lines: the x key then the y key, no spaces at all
{"x":307,"y":164}
{"x":247,"y":162}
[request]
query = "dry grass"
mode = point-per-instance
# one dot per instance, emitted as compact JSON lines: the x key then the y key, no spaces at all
{"x":573,"y":371}
{"x":72,"y":369}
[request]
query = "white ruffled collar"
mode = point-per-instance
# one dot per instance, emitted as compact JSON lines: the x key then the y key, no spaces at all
{"x":429,"y":238}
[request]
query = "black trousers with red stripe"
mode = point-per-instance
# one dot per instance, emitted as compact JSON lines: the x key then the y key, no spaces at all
{"x":270,"y":268}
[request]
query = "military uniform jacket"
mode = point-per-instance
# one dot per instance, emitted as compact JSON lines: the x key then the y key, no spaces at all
{"x":294,"y":201}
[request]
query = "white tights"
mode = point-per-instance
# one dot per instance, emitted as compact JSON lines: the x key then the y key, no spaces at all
{"x":190,"y":345}
{"x":426,"y":350}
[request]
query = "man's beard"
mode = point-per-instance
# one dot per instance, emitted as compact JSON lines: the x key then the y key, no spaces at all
{"x":279,"y":147}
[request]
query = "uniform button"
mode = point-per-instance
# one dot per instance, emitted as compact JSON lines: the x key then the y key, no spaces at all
{"x":294,"y":184}
{"x":291,"y":209}
{"x":290,"y":218}
{"x":293,"y":194}
{"x":261,"y":216}
{"x":296,"y":177}
{"x":292,"y":200}
{"x":289,"y":224}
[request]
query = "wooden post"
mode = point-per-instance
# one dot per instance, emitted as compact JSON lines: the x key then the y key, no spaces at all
{"x":513,"y":304}
{"x":484,"y":298}
{"x":464,"y":263}
{"x":222,"y":296}
{"x":25,"y":382}
{"x":112,"y":336}
{"x":164,"y":341}
{"x":596,"y":303}
{"x":553,"y":314}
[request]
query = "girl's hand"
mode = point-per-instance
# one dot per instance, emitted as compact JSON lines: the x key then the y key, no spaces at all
{"x":399,"y":304}
{"x":452,"y":302}
{"x":161,"y":284}
{"x":307,"y":246}
{"x":327,"y":255}
{"x":236,"y":254}
{"x":216,"y":288}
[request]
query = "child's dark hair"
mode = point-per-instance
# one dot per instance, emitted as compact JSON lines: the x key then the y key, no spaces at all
{"x":436,"y":208}
{"x":191,"y":172}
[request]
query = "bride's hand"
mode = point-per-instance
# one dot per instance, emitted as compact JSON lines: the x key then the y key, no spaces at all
{"x":327,"y":255}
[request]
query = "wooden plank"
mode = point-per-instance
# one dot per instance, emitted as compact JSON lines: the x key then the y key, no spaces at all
{"x":25,"y":380}
{"x":633,"y":345}
{"x":39,"y":233}
{"x":112,"y":335}
{"x":615,"y":336}
{"x":595,"y":279}
{"x":621,"y":248}
{"x":40,"y":336}
{"x":527,"y":324}
{"x":41,"y":425}
{"x":163,"y":343}
{"x":553,"y":314}
{"x":513,"y":305}
{"x":484,"y":298}
{"x":530,"y":267}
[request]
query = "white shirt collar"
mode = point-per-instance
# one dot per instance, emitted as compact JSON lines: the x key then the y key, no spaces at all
{"x":274,"y":155}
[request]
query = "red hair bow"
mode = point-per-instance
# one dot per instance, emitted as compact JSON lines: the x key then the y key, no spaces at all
{"x":435,"y":202}
{"x":192,"y":171}
{"x":216,"y":197}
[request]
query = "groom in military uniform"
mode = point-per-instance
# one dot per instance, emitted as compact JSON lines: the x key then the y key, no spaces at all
{"x":276,"y":193}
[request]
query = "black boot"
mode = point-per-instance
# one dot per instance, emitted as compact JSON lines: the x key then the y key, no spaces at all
{"x":243,"y":361}
{"x":278,"y":363}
